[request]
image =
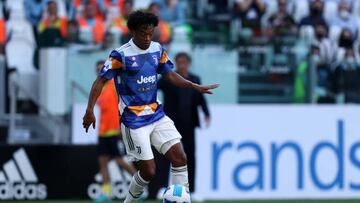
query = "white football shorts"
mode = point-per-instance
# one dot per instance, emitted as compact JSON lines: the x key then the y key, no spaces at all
{"x":161,"y":134}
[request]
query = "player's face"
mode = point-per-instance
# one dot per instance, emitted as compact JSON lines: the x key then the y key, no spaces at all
{"x":143,"y":36}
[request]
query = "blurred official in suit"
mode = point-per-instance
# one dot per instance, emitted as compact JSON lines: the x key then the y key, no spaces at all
{"x":181,"y":105}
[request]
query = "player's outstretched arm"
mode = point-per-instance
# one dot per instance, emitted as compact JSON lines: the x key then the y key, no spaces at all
{"x":89,"y":117}
{"x":179,"y":81}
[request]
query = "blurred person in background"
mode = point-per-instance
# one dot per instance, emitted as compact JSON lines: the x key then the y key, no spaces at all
{"x":109,"y":135}
{"x":108,"y":42}
{"x":53,"y":28}
{"x":346,"y":41}
{"x":281,"y":22}
{"x":77,"y":8}
{"x":323,"y":54}
{"x":73,"y":33}
{"x":345,"y":19}
{"x":347,"y":78}
{"x":327,"y":48}
{"x":2,"y":36}
{"x":91,"y":25}
{"x":162,"y":32}
{"x":172,"y":12}
{"x":316,"y":14}
{"x":181,"y":105}
{"x":250,"y":13}
{"x":33,"y":12}
{"x":120,"y":22}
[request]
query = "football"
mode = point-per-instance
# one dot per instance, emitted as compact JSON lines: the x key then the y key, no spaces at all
{"x":176,"y":194}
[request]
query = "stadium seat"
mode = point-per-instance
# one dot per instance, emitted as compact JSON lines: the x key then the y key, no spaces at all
{"x":330,"y":9}
{"x":334,"y":33}
{"x":271,"y":8}
{"x":307,"y":32}
{"x":301,"y":9}
{"x":15,"y":6}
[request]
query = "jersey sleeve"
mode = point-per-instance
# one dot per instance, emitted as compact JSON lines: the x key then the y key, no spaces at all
{"x":165,"y":64}
{"x":111,"y":64}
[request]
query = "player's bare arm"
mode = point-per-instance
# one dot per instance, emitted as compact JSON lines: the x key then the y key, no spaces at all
{"x":179,"y":81}
{"x":89,"y":117}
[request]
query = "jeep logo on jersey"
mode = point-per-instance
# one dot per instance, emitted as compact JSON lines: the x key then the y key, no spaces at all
{"x":149,"y":79}
{"x":19,"y":181}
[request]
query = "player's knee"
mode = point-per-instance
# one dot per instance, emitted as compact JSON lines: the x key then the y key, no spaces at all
{"x":148,"y":173}
{"x":180,"y":160}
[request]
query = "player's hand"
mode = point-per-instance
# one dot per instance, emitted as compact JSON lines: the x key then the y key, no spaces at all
{"x":205,"y":89}
{"x":88,"y":119}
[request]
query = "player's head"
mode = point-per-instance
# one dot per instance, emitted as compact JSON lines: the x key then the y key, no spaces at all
{"x":99,"y":65}
{"x":141,"y":25}
{"x":183,"y":61}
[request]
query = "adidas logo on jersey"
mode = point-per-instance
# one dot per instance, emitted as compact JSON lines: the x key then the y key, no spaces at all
{"x":149,"y":79}
{"x":134,"y":64}
{"x":19,"y":181}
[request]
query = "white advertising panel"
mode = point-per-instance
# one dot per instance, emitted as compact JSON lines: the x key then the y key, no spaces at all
{"x":279,"y":152}
{"x":79,"y":136}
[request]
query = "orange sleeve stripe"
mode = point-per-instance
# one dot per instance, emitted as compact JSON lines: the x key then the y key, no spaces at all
{"x":163,"y":58}
{"x":115,"y":64}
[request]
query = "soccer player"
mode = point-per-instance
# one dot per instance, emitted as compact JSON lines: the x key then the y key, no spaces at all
{"x":135,"y":67}
{"x":109,"y":134}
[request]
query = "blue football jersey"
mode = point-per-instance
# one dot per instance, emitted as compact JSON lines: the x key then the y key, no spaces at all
{"x":135,"y":72}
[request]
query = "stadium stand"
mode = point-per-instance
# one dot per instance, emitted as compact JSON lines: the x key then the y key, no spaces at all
{"x":266,"y":64}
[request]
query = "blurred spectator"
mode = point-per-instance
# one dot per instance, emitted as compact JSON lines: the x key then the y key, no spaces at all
{"x":118,"y":4}
{"x":91,"y":26}
{"x":345,"y":43}
{"x":52,"y":29}
{"x":316,"y":15}
{"x":162,"y":32}
{"x":250,"y":13}
{"x":282,"y":22}
{"x":347,"y":78}
{"x":346,"y":39}
{"x":33,"y":13}
{"x":2,"y":36}
{"x":120,"y":22}
{"x":73,"y":32}
{"x":322,"y":78}
{"x":108,"y":42}
{"x":344,"y":18}
{"x":171,"y":11}
{"x":77,"y":7}
{"x":323,"y":43}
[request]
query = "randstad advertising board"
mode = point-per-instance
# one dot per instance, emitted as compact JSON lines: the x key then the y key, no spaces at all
{"x":280,"y":152}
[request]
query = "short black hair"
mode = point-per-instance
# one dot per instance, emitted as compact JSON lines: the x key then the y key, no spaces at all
{"x":140,"y":18}
{"x":183,"y":54}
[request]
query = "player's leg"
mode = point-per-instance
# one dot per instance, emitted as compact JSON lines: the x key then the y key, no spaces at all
{"x":137,"y":144}
{"x":178,"y":160}
{"x":103,"y":159}
{"x":103,"y":162}
{"x":166,"y":139}
{"x":188,"y":142}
